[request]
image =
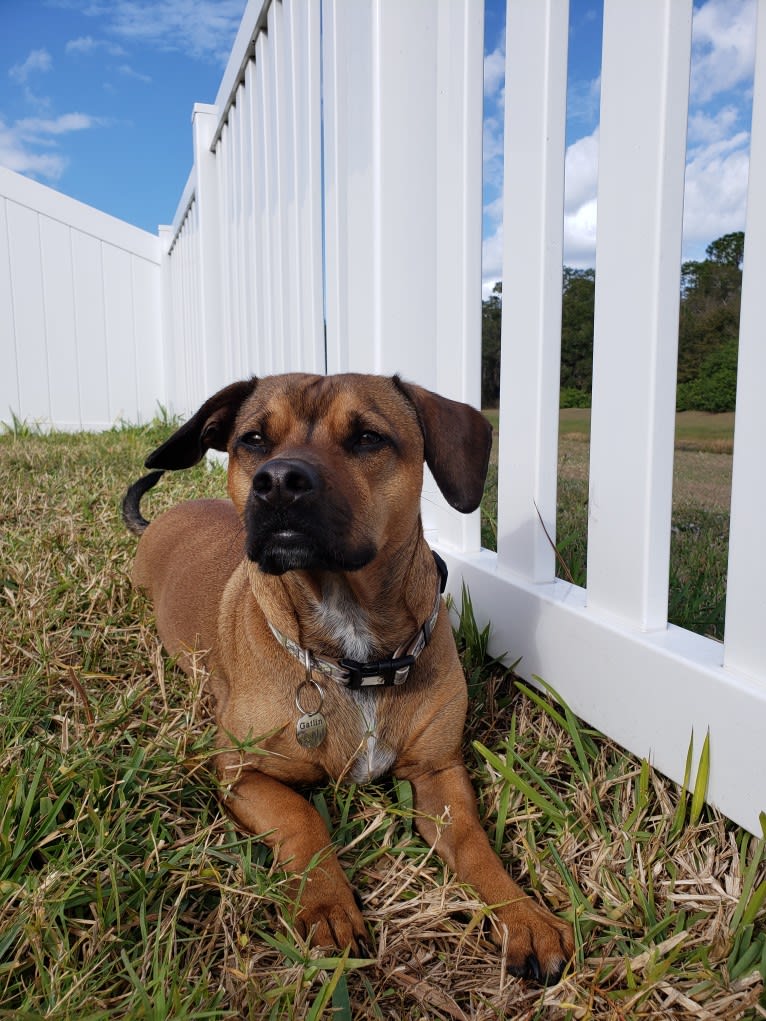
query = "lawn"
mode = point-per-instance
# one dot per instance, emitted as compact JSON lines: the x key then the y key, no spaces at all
{"x":699,"y":544}
{"x":127,"y":893}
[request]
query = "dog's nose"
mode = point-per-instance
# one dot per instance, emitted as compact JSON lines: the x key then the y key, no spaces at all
{"x":281,"y":482}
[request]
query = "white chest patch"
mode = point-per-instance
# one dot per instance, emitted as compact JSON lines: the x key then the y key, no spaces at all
{"x":343,"y":620}
{"x":374,"y":758}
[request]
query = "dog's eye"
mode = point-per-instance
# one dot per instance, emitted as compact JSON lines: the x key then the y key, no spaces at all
{"x":369,"y":440}
{"x":254,"y":440}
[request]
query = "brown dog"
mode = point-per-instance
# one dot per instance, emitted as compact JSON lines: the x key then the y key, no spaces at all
{"x":317,"y":603}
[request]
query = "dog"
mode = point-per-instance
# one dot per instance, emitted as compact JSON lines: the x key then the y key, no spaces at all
{"x":315,"y":603}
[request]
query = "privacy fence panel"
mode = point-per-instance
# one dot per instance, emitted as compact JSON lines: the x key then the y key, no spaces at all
{"x":79,"y":312}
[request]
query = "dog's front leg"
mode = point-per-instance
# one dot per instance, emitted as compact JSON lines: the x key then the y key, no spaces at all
{"x":325,"y":907}
{"x":539,"y":944}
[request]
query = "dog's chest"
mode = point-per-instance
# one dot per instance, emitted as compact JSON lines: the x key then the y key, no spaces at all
{"x":342,"y":620}
{"x":372,"y":756}
{"x":344,"y":623}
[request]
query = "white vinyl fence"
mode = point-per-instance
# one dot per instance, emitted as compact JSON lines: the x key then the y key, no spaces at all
{"x":332,"y":221}
{"x":80,"y":327}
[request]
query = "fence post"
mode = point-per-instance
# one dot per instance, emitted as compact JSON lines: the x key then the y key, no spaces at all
{"x":745,"y":649}
{"x":215,"y":347}
{"x":168,"y":395}
{"x":533,"y":213}
{"x":642,"y":149}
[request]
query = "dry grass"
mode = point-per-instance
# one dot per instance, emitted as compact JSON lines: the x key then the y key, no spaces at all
{"x":126,"y":892}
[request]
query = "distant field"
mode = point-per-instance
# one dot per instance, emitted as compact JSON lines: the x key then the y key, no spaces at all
{"x":695,"y":430}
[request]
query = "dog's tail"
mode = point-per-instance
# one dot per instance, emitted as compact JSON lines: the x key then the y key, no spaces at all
{"x":131,"y":502}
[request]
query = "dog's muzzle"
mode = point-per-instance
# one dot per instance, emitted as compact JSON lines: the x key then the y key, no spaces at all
{"x":292,"y":524}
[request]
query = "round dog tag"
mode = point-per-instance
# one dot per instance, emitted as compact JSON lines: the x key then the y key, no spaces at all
{"x":311,"y":728}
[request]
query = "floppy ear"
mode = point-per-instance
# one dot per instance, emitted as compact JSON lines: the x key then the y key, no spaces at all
{"x":457,"y":440}
{"x":210,"y":427}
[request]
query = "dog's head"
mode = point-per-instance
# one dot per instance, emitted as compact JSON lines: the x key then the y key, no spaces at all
{"x":325,"y":471}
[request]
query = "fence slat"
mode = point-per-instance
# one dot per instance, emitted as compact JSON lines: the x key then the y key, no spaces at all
{"x":644,"y":100}
{"x":745,"y":648}
{"x":10,"y":393}
{"x":533,"y":212}
{"x":349,"y":197}
{"x":28,"y":302}
{"x":60,"y":324}
{"x":243,"y":252}
{"x":304,"y":295}
{"x":268,"y":358}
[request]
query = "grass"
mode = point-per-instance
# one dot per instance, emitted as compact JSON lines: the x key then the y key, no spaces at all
{"x":699,"y":541}
{"x":695,"y":430}
{"x":127,"y":893}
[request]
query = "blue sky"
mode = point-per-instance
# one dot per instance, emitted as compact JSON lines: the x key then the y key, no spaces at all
{"x":96,"y":99}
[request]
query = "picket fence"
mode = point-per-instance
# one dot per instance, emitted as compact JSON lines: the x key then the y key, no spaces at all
{"x":332,"y":221}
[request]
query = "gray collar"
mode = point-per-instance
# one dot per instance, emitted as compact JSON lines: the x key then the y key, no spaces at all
{"x":377,"y":673}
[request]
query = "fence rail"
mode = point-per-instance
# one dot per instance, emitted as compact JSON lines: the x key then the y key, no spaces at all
{"x":332,"y":221}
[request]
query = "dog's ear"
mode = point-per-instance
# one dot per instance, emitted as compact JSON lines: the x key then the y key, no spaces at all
{"x":457,"y":440}
{"x":209,"y":428}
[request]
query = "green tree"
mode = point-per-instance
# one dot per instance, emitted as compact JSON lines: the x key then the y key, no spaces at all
{"x":491,"y":320}
{"x":709,"y":326}
{"x":577,"y":304}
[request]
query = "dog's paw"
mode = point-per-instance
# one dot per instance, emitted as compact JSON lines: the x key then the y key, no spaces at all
{"x":538,"y":944}
{"x":335,"y":923}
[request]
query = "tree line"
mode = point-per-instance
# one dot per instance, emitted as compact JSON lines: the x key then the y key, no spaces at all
{"x":707,"y":337}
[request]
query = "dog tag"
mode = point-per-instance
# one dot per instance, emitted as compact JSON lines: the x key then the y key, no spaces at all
{"x":311,"y":728}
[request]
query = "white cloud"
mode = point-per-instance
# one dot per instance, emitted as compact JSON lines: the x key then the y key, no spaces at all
{"x":128,"y":72}
{"x":38,"y":62}
{"x":86,"y":44}
{"x":583,"y":98}
{"x":494,"y":99}
{"x":581,"y":172}
{"x":21,"y":142}
{"x":17,"y":155}
{"x":40,"y":127}
{"x":492,"y":261}
{"x":705,"y":128}
{"x":200,"y":28}
{"x":494,"y":74}
{"x":716,"y":191}
{"x":580,"y":187}
{"x":723,"y":47}
{"x":580,"y":235}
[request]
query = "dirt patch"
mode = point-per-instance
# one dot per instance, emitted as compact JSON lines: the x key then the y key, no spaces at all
{"x":701,"y":478}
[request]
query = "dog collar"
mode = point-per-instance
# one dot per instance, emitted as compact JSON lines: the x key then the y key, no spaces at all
{"x":382,"y":673}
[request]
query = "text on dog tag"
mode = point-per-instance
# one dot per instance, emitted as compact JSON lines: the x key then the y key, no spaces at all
{"x":311,"y":730}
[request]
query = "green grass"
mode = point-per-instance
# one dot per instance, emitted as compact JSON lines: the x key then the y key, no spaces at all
{"x":700,"y":521}
{"x":127,"y":893}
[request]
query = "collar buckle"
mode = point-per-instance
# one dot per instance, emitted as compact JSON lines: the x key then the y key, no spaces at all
{"x":381,"y":674}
